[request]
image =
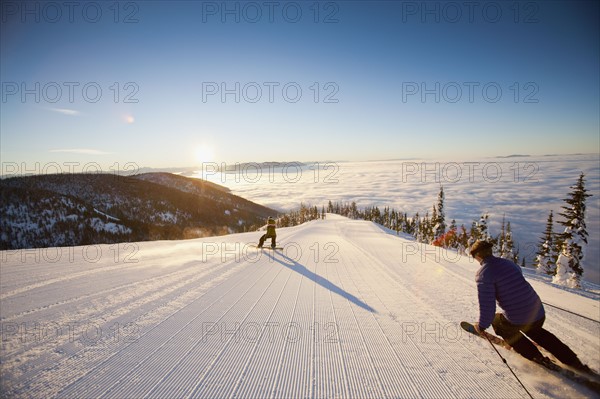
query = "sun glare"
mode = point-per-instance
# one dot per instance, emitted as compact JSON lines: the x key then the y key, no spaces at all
{"x":204,"y":153}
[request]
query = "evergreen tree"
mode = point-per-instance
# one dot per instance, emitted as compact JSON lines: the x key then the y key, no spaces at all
{"x":473,"y":233}
{"x":440,"y":220}
{"x":411,"y":225}
{"x":508,"y":245}
{"x":453,"y":225}
{"x":426,"y":230}
{"x":546,"y":256}
{"x":482,"y":228}
{"x":416,"y":227}
{"x":394,"y":220}
{"x":463,"y":239}
{"x":569,"y":263}
{"x":434,"y":221}
{"x":453,"y":240}
{"x":500,"y":247}
{"x":353,"y":211}
{"x":562,"y":274}
{"x":516,"y":256}
{"x":386,"y":217}
{"x":406,"y":224}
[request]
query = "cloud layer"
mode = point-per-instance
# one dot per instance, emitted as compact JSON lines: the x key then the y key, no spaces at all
{"x":523,"y":190}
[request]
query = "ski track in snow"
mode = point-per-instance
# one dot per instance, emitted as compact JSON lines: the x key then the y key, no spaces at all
{"x":346,"y":310}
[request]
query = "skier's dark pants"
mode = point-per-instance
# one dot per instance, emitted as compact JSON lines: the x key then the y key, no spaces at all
{"x":514,"y":335}
{"x":264,"y":237}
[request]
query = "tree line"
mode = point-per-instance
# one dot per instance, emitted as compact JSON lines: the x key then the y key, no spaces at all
{"x":559,"y":255}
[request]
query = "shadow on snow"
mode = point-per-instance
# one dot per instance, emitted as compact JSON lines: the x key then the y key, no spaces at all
{"x":323,"y":282}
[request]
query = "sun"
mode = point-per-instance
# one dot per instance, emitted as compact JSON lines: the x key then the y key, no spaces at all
{"x":128,"y":119}
{"x":204,"y":153}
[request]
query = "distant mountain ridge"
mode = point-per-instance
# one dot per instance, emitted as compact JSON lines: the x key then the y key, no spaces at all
{"x":83,"y":209}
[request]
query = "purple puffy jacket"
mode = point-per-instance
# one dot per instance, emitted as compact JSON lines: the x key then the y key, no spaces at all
{"x":502,"y":280}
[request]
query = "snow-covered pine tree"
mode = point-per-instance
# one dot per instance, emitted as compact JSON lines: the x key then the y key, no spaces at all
{"x":386,"y":217}
{"x":453,"y":225}
{"x":429,"y":230}
{"x":425,"y":230}
{"x":563,"y":276}
{"x":454,"y":241}
{"x":353,"y":211}
{"x":416,"y":227}
{"x":412,"y":225}
{"x":440,"y":218}
{"x":509,"y":245}
{"x":569,"y":267}
{"x":482,"y":228}
{"x":516,"y":255}
{"x":474,"y":232}
{"x":402,"y":223}
{"x":470,"y":242}
{"x":463,"y":239}
{"x":434,"y":220}
{"x":499,"y":248}
{"x":546,"y":256}
{"x":479,"y":231}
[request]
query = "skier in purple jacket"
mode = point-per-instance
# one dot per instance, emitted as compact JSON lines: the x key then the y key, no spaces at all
{"x":502,"y":280}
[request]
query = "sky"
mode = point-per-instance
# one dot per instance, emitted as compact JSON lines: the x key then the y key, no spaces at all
{"x":169,"y":84}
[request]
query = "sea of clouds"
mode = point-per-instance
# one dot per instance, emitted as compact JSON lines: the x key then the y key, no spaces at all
{"x":523,"y":189}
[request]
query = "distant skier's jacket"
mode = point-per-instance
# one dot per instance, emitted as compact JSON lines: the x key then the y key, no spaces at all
{"x":271,"y":228}
{"x":502,"y":280}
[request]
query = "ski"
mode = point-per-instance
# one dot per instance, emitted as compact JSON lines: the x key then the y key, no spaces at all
{"x":484,"y":334}
{"x":579,"y":377}
{"x":585,"y":379}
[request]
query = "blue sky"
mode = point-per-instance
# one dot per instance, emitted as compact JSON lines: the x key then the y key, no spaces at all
{"x":186,"y":82}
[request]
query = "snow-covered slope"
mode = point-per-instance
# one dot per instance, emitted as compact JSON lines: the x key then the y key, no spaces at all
{"x":346,"y":310}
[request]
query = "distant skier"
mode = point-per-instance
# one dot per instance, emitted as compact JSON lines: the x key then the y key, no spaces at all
{"x":502,"y":280}
{"x":269,"y":234}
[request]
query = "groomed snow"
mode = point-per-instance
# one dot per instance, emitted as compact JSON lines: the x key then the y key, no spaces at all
{"x":346,"y":310}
